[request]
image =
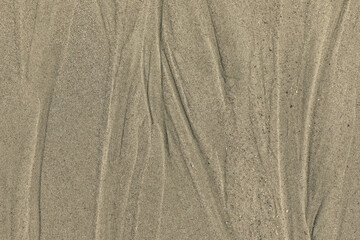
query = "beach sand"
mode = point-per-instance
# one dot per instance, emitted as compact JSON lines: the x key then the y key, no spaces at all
{"x":158,"y":119}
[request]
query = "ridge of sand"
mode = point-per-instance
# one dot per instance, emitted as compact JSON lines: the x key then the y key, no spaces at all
{"x":165,"y":119}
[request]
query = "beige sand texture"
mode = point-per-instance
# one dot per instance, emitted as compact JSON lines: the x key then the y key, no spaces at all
{"x":182,"y":119}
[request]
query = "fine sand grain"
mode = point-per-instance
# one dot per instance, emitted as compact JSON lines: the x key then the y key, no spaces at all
{"x":196,"y":119}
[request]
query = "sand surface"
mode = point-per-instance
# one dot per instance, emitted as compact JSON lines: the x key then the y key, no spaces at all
{"x":195,"y":119}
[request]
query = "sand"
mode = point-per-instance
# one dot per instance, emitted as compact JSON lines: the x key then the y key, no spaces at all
{"x":201,"y":119}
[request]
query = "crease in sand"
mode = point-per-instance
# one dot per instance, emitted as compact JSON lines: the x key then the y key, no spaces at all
{"x":132,"y":184}
{"x":221,"y":80}
{"x":145,"y":77}
{"x":342,"y":214}
{"x":155,"y":110}
{"x":145,"y":87}
{"x":121,"y":42}
{"x":146,"y":208}
{"x":327,"y":51}
{"x":113,"y":69}
{"x":24,"y":76}
{"x":129,"y":184}
{"x":196,"y":170}
{"x":278,"y":132}
{"x":43,"y":117}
